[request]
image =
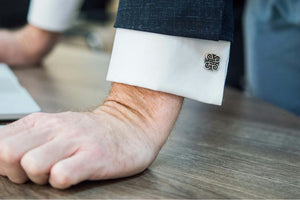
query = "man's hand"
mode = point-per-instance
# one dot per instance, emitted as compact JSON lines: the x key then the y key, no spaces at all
{"x":26,"y":46}
{"x":120,"y":138}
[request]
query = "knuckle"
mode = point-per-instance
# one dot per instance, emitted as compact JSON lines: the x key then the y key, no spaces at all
{"x":30,"y":120}
{"x":60,"y":177}
{"x":31,"y":165}
{"x":31,"y":117}
{"x":35,"y":115}
{"x":8,"y":155}
{"x":56,"y":120}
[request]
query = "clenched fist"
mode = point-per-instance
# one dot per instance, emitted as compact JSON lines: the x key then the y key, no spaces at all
{"x":120,"y":138}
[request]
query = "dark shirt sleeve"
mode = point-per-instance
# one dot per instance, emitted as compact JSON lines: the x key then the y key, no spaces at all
{"x":203,"y":19}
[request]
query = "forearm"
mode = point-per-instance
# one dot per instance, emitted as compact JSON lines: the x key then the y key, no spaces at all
{"x":26,"y":46}
{"x":151,"y":110}
{"x":39,"y":42}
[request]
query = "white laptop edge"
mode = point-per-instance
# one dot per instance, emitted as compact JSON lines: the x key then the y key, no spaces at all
{"x":16,"y":105}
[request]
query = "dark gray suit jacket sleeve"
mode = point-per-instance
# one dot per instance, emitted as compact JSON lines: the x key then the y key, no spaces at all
{"x":204,"y":19}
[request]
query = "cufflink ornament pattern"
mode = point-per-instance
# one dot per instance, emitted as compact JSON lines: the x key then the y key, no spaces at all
{"x":212,"y":62}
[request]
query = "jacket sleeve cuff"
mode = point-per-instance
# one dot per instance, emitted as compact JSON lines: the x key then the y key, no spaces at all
{"x":188,"y":67}
{"x":52,"y":15}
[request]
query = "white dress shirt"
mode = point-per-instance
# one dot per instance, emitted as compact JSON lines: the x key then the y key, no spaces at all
{"x":171,"y":64}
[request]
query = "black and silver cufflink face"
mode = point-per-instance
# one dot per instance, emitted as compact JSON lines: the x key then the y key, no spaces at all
{"x":212,"y":62}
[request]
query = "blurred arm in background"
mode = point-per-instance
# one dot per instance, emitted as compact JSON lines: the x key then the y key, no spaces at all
{"x":28,"y":45}
{"x":32,"y":43}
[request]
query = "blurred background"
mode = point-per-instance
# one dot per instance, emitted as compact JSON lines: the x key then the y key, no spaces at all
{"x":94,"y":30}
{"x":272,"y":75}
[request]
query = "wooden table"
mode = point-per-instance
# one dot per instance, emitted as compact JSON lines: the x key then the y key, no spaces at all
{"x":244,"y":149}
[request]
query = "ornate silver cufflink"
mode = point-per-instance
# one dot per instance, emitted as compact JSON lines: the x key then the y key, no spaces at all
{"x":212,"y":62}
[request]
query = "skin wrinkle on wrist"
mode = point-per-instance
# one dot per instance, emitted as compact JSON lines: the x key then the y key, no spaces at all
{"x":153,"y":111}
{"x":124,"y":113}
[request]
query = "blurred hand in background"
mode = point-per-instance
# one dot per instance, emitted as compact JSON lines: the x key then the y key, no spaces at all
{"x":28,"y":45}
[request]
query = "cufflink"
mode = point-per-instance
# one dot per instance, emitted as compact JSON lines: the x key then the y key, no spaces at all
{"x":212,"y":62}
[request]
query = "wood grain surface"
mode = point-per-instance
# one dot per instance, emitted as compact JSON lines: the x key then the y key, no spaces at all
{"x":245,"y":149}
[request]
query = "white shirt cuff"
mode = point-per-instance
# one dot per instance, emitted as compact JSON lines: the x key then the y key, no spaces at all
{"x":52,"y":15}
{"x":182,"y":66}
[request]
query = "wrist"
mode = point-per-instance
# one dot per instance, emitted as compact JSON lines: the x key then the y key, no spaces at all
{"x":152,"y":111}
